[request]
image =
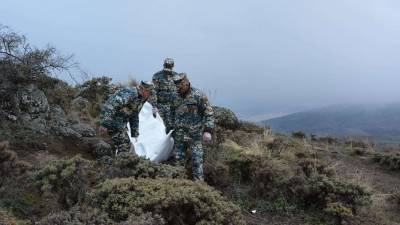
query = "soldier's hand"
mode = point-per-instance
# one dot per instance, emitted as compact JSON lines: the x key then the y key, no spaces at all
{"x":134,"y":139}
{"x":103,"y":130}
{"x":207,"y":137}
{"x":155,"y":111}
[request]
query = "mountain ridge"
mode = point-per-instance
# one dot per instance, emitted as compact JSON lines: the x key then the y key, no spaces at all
{"x":381,"y":121}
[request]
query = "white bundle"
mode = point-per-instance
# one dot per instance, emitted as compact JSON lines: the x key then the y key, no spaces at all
{"x":153,"y":142}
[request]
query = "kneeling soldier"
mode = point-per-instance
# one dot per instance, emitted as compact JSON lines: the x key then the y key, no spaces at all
{"x":194,"y":122}
{"x":122,"y":107}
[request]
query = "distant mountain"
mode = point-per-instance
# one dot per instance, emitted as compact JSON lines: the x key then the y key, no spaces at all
{"x":379,"y":121}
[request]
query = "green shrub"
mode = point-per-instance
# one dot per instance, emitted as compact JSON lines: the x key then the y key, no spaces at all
{"x":339,"y":210}
{"x":69,"y":178}
{"x":176,"y":201}
{"x":299,"y":134}
{"x":311,"y":167}
{"x":7,"y":219}
{"x":321,"y":191}
{"x":389,"y":160}
{"x":130,"y":165}
{"x":77,"y":216}
{"x":269,"y":177}
{"x":326,"y":140}
{"x":250,"y":127}
{"x":144,"y":219}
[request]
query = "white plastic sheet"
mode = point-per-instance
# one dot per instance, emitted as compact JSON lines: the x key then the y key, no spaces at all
{"x":152,"y":142}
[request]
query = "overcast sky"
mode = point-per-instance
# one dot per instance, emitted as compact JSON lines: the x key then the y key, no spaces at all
{"x":256,"y":56}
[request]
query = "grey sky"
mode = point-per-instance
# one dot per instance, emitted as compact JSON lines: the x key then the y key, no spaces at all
{"x":256,"y":57}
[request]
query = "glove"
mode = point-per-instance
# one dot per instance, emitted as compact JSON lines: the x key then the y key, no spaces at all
{"x":207,"y":137}
{"x":155,"y":111}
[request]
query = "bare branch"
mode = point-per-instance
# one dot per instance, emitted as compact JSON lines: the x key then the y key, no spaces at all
{"x":34,"y":61}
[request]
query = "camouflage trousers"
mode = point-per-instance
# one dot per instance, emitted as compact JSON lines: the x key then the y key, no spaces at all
{"x":190,"y":151}
{"x":167,"y":115}
{"x":120,"y":139}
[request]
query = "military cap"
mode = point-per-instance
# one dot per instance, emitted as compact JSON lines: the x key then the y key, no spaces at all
{"x":178,"y":78}
{"x":147,"y":84}
{"x":168,"y":62}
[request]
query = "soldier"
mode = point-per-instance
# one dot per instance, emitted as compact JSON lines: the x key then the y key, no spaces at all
{"x":123,"y":106}
{"x":194,"y":122}
{"x":164,"y":93}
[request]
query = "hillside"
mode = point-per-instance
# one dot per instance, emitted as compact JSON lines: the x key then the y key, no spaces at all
{"x":56,"y":168}
{"x":378,"y":121}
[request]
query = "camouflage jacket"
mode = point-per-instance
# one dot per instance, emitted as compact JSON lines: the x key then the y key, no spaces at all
{"x":164,"y":91}
{"x":193,"y":114}
{"x":121,"y":107}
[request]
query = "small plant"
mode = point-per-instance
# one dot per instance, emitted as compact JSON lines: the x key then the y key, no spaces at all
{"x":299,"y":134}
{"x":69,"y":178}
{"x":388,"y":160}
{"x":338,"y":210}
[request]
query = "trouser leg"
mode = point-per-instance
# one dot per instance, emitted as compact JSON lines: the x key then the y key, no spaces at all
{"x":179,"y":153}
{"x":197,"y":160}
{"x":121,"y":141}
{"x":166,"y":115}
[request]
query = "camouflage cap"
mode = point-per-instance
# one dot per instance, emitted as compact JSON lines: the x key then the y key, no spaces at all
{"x":147,"y":84}
{"x":178,"y":78}
{"x":168,"y":62}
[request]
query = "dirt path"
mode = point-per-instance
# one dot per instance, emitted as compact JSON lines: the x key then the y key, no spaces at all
{"x":383,"y":183}
{"x":362,"y":169}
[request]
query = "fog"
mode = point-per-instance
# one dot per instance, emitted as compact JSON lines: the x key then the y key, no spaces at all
{"x":255,"y":57}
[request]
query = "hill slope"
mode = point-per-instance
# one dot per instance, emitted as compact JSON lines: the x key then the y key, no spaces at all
{"x":380,"y":121}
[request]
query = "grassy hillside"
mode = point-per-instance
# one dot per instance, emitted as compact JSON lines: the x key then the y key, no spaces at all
{"x":56,"y":169}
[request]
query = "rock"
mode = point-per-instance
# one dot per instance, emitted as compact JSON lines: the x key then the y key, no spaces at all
{"x":101,"y":148}
{"x":66,"y":132}
{"x":33,"y":101}
{"x":57,"y":116}
{"x":85,"y":130}
{"x":225,"y":117}
{"x":79,"y":103}
{"x":38,"y":125}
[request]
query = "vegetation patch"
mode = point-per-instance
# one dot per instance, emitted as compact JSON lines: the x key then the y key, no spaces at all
{"x":177,"y":201}
{"x":390,"y":160}
{"x":130,"y":165}
{"x":70,"y":179}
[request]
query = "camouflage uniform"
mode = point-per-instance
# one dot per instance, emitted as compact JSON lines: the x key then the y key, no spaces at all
{"x":193,"y":116}
{"x":122,"y":107}
{"x":164,"y":95}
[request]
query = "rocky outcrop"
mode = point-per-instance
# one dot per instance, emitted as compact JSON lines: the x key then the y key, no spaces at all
{"x":31,"y":102}
{"x":225,"y":118}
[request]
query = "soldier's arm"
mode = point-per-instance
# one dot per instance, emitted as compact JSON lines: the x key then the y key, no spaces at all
{"x":109,"y":110}
{"x":153,"y":97}
{"x":134,"y":125}
{"x":153,"y":94}
{"x":207,"y":112}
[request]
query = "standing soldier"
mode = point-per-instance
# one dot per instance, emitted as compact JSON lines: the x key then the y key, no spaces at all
{"x":123,"y":107}
{"x":164,"y":93}
{"x":194,"y":122}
